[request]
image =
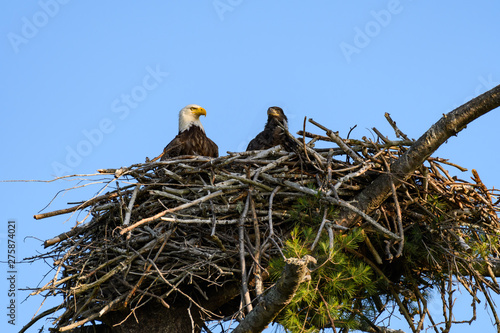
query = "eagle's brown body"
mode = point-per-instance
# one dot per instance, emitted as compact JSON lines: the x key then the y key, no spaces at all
{"x":273,"y":133}
{"x":192,"y":141}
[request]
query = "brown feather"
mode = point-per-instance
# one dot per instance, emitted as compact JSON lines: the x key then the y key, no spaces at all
{"x":192,"y":141}
{"x":273,"y":134}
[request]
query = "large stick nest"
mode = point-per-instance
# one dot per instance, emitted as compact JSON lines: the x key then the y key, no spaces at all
{"x":174,"y":229}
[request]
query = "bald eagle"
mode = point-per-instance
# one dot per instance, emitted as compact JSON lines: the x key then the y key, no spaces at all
{"x":273,"y":134}
{"x":191,"y":139}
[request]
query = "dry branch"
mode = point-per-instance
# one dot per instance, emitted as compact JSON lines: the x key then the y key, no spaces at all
{"x":277,"y":297}
{"x":449,"y":125}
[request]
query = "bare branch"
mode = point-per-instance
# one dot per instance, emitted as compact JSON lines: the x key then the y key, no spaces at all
{"x":449,"y":125}
{"x":277,"y":297}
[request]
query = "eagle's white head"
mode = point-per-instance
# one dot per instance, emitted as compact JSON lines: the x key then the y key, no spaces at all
{"x":190,"y":115}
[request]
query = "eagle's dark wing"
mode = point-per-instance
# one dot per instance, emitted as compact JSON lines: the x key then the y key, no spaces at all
{"x":211,"y":149}
{"x":202,"y":146}
{"x":263,"y":140}
{"x":174,"y":148}
{"x":191,"y":142}
{"x":272,"y":135}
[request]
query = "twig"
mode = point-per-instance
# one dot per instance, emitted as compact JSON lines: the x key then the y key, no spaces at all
{"x":320,"y":159}
{"x":180,"y":291}
{"x":245,"y":295}
{"x":244,"y":180}
{"x":358,"y":173}
{"x":304,"y":140}
{"x":330,"y":235}
{"x":257,"y":250}
{"x":270,"y":214}
{"x":130,"y":206}
{"x":335,"y":201}
{"x":199,"y":221}
{"x":181,"y":207}
{"x":396,"y":129}
{"x":370,"y":246}
{"x":38,"y":317}
{"x":444,"y":161}
{"x":65,"y":235}
{"x":81,"y":206}
{"x":339,"y":141}
{"x":380,"y":135}
{"x":323,"y":221}
{"x":169,"y":195}
{"x":399,"y":218}
{"x":103,"y":311}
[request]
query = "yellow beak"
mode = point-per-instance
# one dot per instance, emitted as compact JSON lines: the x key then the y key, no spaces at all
{"x":272,"y":112}
{"x":200,"y":112}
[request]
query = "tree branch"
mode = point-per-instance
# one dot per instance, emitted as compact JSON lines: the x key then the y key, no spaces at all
{"x":277,"y":297}
{"x":494,"y":265}
{"x":379,"y":329}
{"x":450,"y":124}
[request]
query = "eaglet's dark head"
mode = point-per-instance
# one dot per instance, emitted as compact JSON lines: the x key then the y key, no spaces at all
{"x":275,"y":112}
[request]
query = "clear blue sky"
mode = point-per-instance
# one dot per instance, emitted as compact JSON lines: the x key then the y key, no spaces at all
{"x":89,"y":85}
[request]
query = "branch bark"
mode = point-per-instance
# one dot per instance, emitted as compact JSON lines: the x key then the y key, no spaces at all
{"x":277,"y":297}
{"x":494,"y":265}
{"x":449,"y":125}
{"x":379,"y":329}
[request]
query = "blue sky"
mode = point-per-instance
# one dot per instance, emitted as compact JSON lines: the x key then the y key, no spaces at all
{"x":89,"y":85}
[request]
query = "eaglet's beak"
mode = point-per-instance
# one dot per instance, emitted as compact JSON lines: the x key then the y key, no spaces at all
{"x":199,"y":111}
{"x":272,"y":112}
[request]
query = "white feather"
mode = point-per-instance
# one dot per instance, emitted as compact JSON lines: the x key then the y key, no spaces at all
{"x":188,"y":119}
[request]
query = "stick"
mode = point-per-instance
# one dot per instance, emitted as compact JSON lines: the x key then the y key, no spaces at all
{"x":65,"y":235}
{"x":314,"y":136}
{"x":245,"y":295}
{"x":259,"y":289}
{"x":38,"y":317}
{"x":396,"y":129}
{"x":180,"y":291}
{"x":81,"y":206}
{"x":272,"y":165}
{"x":104,"y":310}
{"x":323,"y":221}
{"x":445,"y":161}
{"x":398,"y":210}
{"x":244,"y":180}
{"x":335,"y":201}
{"x":270,"y":214}
{"x":351,"y":153}
{"x":361,"y":171}
{"x":168,"y":195}
{"x":131,"y":205}
{"x":171,"y":210}
{"x":308,"y":150}
{"x":399,"y":219}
